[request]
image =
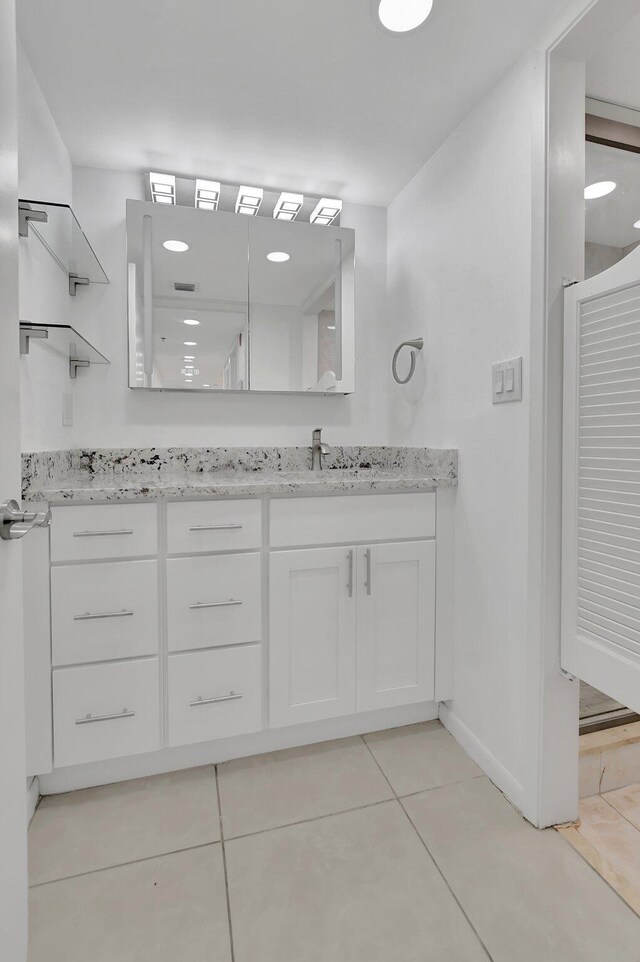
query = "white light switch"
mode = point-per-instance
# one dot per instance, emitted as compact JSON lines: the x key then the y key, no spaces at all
{"x":507,"y":381}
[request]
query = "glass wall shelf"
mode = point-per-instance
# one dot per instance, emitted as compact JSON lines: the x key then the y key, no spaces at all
{"x":57,"y":228}
{"x":64,"y":340}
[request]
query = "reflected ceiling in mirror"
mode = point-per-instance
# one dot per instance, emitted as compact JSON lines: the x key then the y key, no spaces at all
{"x":225,"y":302}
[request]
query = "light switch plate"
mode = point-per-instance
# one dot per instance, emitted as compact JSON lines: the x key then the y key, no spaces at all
{"x":506,"y":384}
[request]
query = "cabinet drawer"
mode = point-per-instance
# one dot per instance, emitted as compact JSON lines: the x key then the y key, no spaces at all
{"x":194,"y":526}
{"x":215,"y":694}
{"x":345,"y":519}
{"x":95,"y":531}
{"x":213,"y":601}
{"x":101,"y":612}
{"x":105,"y":711}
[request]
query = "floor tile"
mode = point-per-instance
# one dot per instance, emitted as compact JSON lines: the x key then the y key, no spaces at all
{"x":627,"y":802}
{"x":419,"y":757}
{"x":98,"y":827}
{"x":266,"y":791}
{"x":590,"y":770}
{"x":620,"y":767}
{"x":161,"y":910}
{"x":610,"y":844}
{"x":528,"y":894}
{"x":356,"y":887}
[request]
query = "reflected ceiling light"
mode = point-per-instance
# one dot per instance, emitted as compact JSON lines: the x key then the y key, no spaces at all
{"x":601,"y":189}
{"x":176,"y":246}
{"x":207,"y":194}
{"x":399,"y":16}
{"x":326,"y":211}
{"x":189,"y":357}
{"x":190,"y":320}
{"x":249,"y":200}
{"x":331,"y":327}
{"x":637,"y":225}
{"x":288,"y":206}
{"x":278,"y":257}
{"x":188,"y":380}
{"x":163,"y":188}
{"x":206,"y":385}
{"x":190,"y":343}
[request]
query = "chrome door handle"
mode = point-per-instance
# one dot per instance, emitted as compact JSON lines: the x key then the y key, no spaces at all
{"x":215,"y":527}
{"x":215,"y":604}
{"x":88,"y":616}
{"x":15,"y":523}
{"x":89,"y":718}
{"x":101,"y":534}
{"x":211,"y":701}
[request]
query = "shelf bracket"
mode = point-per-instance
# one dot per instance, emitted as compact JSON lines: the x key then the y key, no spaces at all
{"x":75,"y":282}
{"x":74,"y":364}
{"x":26,"y":333}
{"x":25,"y":214}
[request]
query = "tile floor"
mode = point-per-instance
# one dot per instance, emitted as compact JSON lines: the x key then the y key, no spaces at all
{"x":392,"y":846}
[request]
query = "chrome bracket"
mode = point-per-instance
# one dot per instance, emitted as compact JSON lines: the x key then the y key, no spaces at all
{"x":74,"y":364}
{"x":25,"y":214}
{"x":76,"y":281}
{"x":27,"y":332}
{"x":567,"y":674}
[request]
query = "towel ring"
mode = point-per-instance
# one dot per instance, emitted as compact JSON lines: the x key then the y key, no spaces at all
{"x":418,"y":344}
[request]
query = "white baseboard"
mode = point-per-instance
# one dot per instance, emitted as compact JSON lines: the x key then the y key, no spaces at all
{"x":481,"y":755}
{"x":208,"y":753}
{"x":33,"y":797}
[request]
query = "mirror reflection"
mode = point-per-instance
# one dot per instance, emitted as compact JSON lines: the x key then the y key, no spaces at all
{"x":227,"y":302}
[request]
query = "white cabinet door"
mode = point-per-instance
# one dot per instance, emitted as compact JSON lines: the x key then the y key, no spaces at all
{"x":312,"y":635}
{"x":396,"y":624}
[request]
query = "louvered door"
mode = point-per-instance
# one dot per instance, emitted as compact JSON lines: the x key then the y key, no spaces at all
{"x":601,"y":482}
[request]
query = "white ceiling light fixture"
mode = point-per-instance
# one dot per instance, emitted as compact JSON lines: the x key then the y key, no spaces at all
{"x":176,"y":246}
{"x":601,"y":189}
{"x":249,"y":200}
{"x":207,"y":194}
{"x":278,"y":257}
{"x":163,"y":188}
{"x":190,"y":343}
{"x":288,"y":206}
{"x":401,"y":16}
{"x":637,"y":225}
{"x":326,"y":211}
{"x":191,"y":321}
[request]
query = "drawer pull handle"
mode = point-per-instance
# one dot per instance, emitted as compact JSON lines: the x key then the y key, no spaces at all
{"x":89,"y":718}
{"x":87,"y":616}
{"x":100,"y":534}
{"x":215,"y":604}
{"x":232,"y":696}
{"x":215,"y":527}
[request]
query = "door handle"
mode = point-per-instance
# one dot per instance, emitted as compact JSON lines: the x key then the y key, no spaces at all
{"x":15,"y":523}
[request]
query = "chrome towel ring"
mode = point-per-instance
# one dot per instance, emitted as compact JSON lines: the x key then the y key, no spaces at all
{"x":418,"y":344}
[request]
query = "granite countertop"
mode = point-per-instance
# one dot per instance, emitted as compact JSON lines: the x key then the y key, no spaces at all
{"x":111,"y":475}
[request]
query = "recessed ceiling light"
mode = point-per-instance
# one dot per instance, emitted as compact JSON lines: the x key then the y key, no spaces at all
{"x":399,"y":16}
{"x":249,"y":200}
{"x":278,"y":257}
{"x":190,"y":320}
{"x":207,"y":194}
{"x":177,"y":246}
{"x":326,"y":211}
{"x":163,"y":188}
{"x":189,"y":357}
{"x":637,"y":225}
{"x":288,"y":206}
{"x":190,"y":343}
{"x":601,"y":189}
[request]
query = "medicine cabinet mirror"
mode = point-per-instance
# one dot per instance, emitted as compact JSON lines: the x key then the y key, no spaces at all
{"x":226,"y":302}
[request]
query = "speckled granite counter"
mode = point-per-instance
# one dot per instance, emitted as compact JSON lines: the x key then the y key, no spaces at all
{"x":121,"y":474}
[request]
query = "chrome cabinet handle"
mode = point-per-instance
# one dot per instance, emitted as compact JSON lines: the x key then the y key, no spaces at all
{"x":101,"y":534}
{"x":214,"y":527}
{"x":350,"y":581}
{"x":15,"y":523}
{"x":215,"y":604}
{"x":232,"y":696}
{"x":87,"y":616}
{"x":368,"y":584}
{"x":89,"y":718}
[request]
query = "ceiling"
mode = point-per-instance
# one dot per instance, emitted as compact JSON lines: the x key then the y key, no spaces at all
{"x":306,"y":95}
{"x":614,"y":74}
{"x":610,"y":219}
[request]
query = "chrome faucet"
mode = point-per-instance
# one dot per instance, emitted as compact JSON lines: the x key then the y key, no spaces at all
{"x":317,"y":450}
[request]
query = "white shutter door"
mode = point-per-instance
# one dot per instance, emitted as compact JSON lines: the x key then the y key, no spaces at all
{"x":601,"y":503}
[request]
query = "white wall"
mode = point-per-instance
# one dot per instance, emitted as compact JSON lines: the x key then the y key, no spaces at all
{"x":108,"y":413}
{"x":44,"y":172}
{"x":459,"y":272}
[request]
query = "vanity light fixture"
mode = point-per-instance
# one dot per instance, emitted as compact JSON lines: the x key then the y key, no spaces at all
{"x":601,"y":189}
{"x":176,"y":246}
{"x":249,"y":200}
{"x":163,"y":188}
{"x":278,"y":257}
{"x":191,"y":321}
{"x":326,"y":211}
{"x":207,"y":194}
{"x":400,"y":16}
{"x":288,"y":206}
